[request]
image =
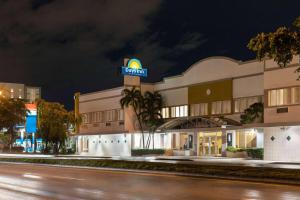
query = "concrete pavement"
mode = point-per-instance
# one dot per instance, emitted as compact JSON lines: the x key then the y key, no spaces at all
{"x":174,"y":159}
{"x":32,"y":182}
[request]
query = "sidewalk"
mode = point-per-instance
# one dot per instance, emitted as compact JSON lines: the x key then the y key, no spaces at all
{"x":173,"y":159}
{"x":226,"y":168}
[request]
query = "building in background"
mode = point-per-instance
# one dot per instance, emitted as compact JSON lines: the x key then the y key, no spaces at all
{"x":202,"y":111}
{"x":21,"y":91}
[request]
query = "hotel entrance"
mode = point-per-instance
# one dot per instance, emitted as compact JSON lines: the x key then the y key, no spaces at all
{"x":210,"y":143}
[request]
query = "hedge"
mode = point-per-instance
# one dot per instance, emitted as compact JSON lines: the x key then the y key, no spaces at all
{"x":141,"y":152}
{"x":256,"y":153}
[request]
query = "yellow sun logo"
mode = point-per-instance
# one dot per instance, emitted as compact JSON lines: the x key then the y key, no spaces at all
{"x":134,"y":64}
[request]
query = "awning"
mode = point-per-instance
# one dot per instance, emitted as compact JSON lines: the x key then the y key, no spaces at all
{"x":198,"y":122}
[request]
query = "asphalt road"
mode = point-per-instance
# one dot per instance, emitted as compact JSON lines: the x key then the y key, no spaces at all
{"x":21,"y":181}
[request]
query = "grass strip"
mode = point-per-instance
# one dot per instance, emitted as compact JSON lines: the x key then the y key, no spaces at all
{"x":207,"y":169}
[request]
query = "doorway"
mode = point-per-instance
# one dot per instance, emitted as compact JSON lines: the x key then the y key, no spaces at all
{"x":210,"y":143}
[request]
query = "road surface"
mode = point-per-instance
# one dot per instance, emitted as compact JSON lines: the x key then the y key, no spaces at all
{"x":32,"y":182}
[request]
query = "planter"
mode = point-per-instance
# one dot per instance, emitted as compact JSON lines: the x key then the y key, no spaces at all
{"x":238,"y":154}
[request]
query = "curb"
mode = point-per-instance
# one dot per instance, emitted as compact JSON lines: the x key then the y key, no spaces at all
{"x":149,"y":172}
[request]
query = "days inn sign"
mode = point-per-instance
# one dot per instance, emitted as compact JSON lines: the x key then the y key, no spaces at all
{"x":134,"y":68}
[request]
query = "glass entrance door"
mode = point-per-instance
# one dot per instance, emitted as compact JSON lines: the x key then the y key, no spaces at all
{"x":210,"y":143}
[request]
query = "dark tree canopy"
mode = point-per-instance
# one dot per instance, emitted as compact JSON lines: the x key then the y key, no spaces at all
{"x":281,"y":45}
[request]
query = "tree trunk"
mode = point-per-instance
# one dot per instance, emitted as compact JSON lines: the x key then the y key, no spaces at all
{"x":153,"y":139}
{"x":11,"y":133}
{"x":46,"y":147}
{"x":55,"y":148}
{"x":148,"y":141}
{"x":141,"y":128}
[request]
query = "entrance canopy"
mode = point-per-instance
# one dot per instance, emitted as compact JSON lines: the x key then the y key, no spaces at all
{"x":198,"y":122}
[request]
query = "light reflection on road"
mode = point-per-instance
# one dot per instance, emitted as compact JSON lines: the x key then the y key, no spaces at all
{"x":42,"y":182}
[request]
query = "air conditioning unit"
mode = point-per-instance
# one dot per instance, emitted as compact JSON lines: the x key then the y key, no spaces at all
{"x":282,"y":110}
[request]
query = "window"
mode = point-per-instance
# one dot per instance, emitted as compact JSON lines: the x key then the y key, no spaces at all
{"x":20,"y":93}
{"x":221,"y":107}
{"x":100,"y":117}
{"x":120,"y":115}
{"x":11,"y":93}
{"x":226,"y":106}
{"x":179,"y":111}
{"x":216,"y":107}
{"x":278,"y":97}
{"x":165,"y":113}
{"x":295,"y":95}
{"x":109,"y":115}
{"x":162,"y":141}
{"x":240,"y":105}
{"x":173,"y":111}
{"x":85,"y":144}
{"x":199,"y":109}
{"x":94,"y":117}
{"x":85,"y":118}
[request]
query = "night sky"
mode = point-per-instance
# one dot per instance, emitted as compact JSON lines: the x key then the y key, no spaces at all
{"x":66,"y":46}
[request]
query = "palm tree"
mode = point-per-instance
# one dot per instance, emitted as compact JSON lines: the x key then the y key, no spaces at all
{"x":133,"y":97}
{"x":252,"y":114}
{"x":150,"y":114}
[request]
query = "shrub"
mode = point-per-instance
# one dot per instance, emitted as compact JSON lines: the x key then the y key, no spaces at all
{"x":141,"y":152}
{"x":19,"y":149}
{"x":257,"y":153}
{"x":233,"y":149}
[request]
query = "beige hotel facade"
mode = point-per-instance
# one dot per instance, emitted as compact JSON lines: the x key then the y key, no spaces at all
{"x":202,"y":108}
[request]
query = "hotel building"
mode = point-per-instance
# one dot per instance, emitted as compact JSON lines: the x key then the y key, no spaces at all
{"x":202,"y":109}
{"x":21,"y":91}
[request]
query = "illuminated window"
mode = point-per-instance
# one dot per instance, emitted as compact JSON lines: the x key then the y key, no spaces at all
{"x":221,"y":107}
{"x":179,"y":111}
{"x":120,"y":115}
{"x":199,"y":109}
{"x":295,"y":95}
{"x":240,"y":105}
{"x":109,"y":115}
{"x":85,"y":144}
{"x":20,"y":93}
{"x":85,"y":118}
{"x":278,"y":97}
{"x":12,"y":93}
{"x":165,"y":113}
{"x":173,"y":111}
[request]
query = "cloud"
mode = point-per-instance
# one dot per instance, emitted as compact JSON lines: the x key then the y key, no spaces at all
{"x":47,"y":30}
{"x":78,"y":45}
{"x":116,"y":20}
{"x":162,"y":58}
{"x":190,"y":41}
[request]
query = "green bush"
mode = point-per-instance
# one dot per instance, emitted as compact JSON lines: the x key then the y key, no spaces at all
{"x":141,"y":152}
{"x":257,"y":153}
{"x":233,"y":149}
{"x":13,"y":149}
